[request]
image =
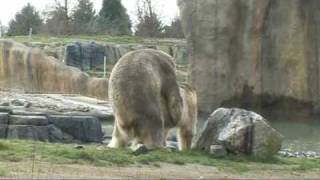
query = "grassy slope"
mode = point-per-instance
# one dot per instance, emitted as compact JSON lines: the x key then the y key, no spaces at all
{"x":27,"y":151}
{"x":98,"y":38}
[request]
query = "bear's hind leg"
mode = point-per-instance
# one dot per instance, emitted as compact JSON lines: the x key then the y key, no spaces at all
{"x":184,"y":138}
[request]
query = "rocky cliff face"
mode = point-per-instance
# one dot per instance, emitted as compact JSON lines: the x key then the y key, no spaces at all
{"x":89,"y":55}
{"x":255,"y":54}
{"x":30,"y":69}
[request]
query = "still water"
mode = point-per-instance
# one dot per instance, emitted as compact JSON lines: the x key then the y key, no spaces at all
{"x":299,"y":136}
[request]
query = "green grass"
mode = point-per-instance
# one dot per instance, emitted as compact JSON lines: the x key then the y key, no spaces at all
{"x":3,"y":146}
{"x":20,"y":151}
{"x":3,"y":172}
{"x":99,"y":38}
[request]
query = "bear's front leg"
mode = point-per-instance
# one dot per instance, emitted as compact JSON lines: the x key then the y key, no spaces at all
{"x":119,"y":137}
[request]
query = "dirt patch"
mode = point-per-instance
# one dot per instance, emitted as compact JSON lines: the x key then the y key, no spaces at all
{"x":43,"y":170}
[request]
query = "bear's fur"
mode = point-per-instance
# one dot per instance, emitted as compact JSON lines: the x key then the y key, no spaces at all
{"x":147,"y":101}
{"x":188,"y":123}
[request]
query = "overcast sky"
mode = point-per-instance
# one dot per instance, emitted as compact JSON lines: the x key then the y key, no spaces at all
{"x":9,"y":8}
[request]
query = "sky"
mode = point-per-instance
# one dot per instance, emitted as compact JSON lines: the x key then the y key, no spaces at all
{"x":167,"y":8}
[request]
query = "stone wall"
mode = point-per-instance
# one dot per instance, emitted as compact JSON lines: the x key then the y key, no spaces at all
{"x":30,"y":69}
{"x":255,"y":54}
{"x":53,"y":128}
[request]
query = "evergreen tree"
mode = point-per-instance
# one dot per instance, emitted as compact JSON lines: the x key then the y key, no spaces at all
{"x":2,"y":29}
{"x":27,"y":18}
{"x":58,"y":21}
{"x":149,"y":23}
{"x":83,"y":17}
{"x":113,"y":18}
{"x":174,"y":30}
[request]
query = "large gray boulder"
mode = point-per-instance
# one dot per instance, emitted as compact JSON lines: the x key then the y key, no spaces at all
{"x":255,"y":54}
{"x":27,"y":127}
{"x":4,"y":118}
{"x":5,"y":109}
{"x":28,"y":120}
{"x":55,"y":134}
{"x":239,"y":131}
{"x":39,"y":133}
{"x":3,"y":124}
{"x":83,"y":128}
{"x":3,"y":131}
{"x":44,"y":127}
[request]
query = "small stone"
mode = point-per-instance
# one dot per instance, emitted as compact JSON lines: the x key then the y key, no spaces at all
{"x":82,"y":109}
{"x":17,"y":102}
{"x":296,"y":154}
{"x":218,"y":150}
{"x":79,"y":147}
{"x":290,"y":154}
{"x":311,"y":154}
{"x":282,"y":153}
{"x":27,"y":104}
{"x":140,"y":149}
{"x":172,"y":145}
{"x":52,"y":107}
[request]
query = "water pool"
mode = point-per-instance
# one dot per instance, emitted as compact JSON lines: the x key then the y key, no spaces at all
{"x":299,"y":136}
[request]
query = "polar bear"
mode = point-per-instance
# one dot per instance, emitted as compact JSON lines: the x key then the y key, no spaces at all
{"x":147,"y":101}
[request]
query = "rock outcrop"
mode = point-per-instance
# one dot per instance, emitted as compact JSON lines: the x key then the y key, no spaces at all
{"x":239,"y":131}
{"x":84,"y":55}
{"x":255,"y":54}
{"x":30,"y":69}
{"x":72,"y":53}
{"x":26,"y":104}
